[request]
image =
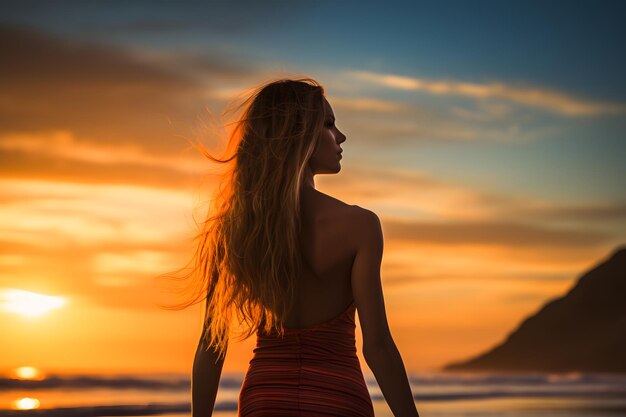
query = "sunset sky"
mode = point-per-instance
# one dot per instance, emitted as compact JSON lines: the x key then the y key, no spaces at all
{"x":488,"y":137}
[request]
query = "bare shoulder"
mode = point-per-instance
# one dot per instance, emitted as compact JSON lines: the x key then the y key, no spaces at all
{"x":363,"y":214}
{"x":330,"y":207}
{"x":355,"y":222}
{"x":363,"y":232}
{"x":365,"y":221}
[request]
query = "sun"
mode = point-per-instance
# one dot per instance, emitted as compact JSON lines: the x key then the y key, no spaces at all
{"x":28,"y":303}
{"x":26,"y":403}
{"x":28,"y":372}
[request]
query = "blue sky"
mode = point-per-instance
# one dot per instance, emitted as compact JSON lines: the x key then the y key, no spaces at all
{"x":574,"y":45}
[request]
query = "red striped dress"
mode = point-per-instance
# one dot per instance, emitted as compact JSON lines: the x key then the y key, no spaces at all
{"x":313,"y":371}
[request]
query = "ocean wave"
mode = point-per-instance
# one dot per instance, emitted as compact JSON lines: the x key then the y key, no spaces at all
{"x":119,"y":383}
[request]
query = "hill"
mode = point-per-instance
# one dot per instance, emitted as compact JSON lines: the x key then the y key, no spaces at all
{"x":582,"y":331}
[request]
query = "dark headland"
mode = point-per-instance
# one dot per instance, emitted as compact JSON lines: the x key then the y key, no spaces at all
{"x":582,"y":331}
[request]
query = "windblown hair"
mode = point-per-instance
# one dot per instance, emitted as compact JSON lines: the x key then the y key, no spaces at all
{"x":248,"y":254}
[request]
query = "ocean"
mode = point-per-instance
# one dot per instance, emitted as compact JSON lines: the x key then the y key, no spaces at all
{"x":435,"y":394}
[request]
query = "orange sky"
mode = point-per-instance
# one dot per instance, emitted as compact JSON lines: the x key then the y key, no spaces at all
{"x":99,"y":191}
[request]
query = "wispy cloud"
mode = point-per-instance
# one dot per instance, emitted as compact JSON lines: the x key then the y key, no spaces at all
{"x":581,"y":212}
{"x":367,"y":104}
{"x":62,"y":144}
{"x":499,"y":233}
{"x":92,"y":213}
{"x":377,"y":122}
{"x":411,"y":194}
{"x":550,"y":100}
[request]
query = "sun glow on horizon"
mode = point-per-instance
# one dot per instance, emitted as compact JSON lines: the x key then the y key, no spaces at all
{"x":29,"y":372}
{"x":28,"y":303}
{"x":26,"y":403}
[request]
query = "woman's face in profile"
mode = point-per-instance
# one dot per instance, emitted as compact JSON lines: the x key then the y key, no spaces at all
{"x":325,"y":159}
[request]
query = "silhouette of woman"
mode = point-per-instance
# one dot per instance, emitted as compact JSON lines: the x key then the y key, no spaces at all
{"x":294,"y":264}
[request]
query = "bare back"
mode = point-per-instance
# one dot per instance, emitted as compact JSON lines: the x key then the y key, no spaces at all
{"x":324,"y":290}
{"x":342,"y":245}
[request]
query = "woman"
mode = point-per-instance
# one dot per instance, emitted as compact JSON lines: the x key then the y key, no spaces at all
{"x":294,"y":264}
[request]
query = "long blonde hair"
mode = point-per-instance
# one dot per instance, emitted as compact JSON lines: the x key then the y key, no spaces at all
{"x":248,"y":256}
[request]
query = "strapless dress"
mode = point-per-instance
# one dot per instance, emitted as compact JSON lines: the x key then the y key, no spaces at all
{"x":312,"y":371}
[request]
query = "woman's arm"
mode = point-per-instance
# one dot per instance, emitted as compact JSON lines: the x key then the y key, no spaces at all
{"x":388,"y":368}
{"x":205,"y":379}
{"x":379,"y":349}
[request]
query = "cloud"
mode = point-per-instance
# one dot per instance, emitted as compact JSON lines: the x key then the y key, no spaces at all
{"x":91,"y":213}
{"x":489,"y":112}
{"x":376,"y":123}
{"x":104,"y":93}
{"x":553,"y":101}
{"x":366,"y":104}
{"x":207,"y":18}
{"x":58,"y":155}
{"x":104,"y":243}
{"x":585,"y":212}
{"x":411,"y":194}
{"x":19,"y":165}
{"x":497,"y":233}
{"x":62,"y":144}
{"x":140,"y":261}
